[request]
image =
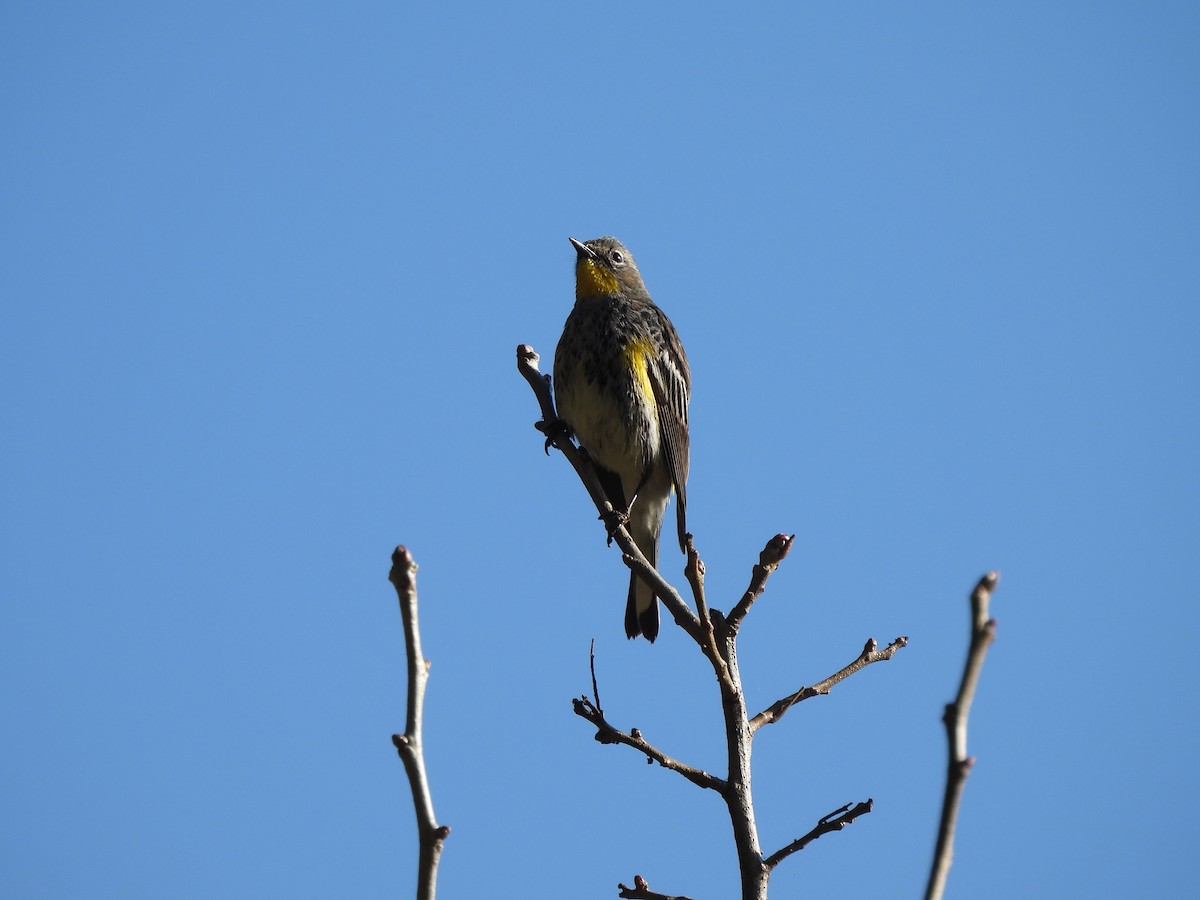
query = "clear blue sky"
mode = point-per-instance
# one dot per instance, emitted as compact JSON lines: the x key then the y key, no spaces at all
{"x":264,"y":268}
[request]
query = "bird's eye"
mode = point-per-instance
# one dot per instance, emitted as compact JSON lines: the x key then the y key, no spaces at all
{"x":617,"y":257}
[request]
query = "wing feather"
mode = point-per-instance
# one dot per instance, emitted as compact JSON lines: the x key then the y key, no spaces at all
{"x":671,"y":381}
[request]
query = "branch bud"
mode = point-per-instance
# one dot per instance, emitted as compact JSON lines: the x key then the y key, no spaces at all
{"x":777,"y":548}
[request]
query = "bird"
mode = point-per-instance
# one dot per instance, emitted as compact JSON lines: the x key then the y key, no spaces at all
{"x":622,"y":386}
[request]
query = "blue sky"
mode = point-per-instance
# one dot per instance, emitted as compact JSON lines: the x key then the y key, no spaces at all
{"x":265,"y":266}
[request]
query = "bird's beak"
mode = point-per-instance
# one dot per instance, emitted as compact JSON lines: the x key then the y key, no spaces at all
{"x":582,"y":249}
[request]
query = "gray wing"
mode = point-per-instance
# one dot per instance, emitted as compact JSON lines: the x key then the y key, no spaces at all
{"x":671,"y":380}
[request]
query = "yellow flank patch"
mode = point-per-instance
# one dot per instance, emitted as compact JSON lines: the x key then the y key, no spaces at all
{"x":593,"y":279}
{"x":637,"y":356}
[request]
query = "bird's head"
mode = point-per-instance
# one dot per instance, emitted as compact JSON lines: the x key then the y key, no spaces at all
{"x":603,"y":266}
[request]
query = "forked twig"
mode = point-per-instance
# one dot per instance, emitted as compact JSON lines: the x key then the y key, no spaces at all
{"x":835,"y":821}
{"x":870,"y":654}
{"x":606,"y":733}
{"x":716,"y":636}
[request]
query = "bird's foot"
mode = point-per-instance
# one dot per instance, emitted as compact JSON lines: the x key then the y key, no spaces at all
{"x":613,"y":519}
{"x":553,"y":430}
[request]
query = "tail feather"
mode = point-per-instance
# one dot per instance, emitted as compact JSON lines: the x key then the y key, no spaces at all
{"x":681,"y":517}
{"x":641,"y":607}
{"x":641,"y":610}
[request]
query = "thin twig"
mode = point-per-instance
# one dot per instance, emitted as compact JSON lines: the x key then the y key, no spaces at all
{"x":706,"y":637}
{"x":958,"y":763}
{"x":527,"y":365}
{"x":870,"y":654}
{"x":409,"y":746}
{"x":835,"y":821}
{"x":768,"y":561}
{"x":592,"y":666}
{"x":608,"y":734}
{"x":694,"y":572}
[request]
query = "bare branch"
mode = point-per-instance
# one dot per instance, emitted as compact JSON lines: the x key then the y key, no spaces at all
{"x":409,"y":746}
{"x":527,"y":365}
{"x":835,"y":821}
{"x":694,"y":572}
{"x":958,"y":764}
{"x":559,"y":437}
{"x":768,"y":561}
{"x":870,"y":654}
{"x":706,"y":636}
{"x":592,"y":666}
{"x":716,"y":636}
{"x":607,"y":734}
{"x":641,"y":891}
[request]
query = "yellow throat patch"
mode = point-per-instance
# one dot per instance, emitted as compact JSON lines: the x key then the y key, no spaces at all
{"x":593,"y":279}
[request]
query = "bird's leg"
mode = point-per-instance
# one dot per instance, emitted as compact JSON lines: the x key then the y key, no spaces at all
{"x":617,"y":518}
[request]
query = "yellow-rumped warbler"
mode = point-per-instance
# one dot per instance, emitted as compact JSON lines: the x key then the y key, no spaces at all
{"x":622,"y":385}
